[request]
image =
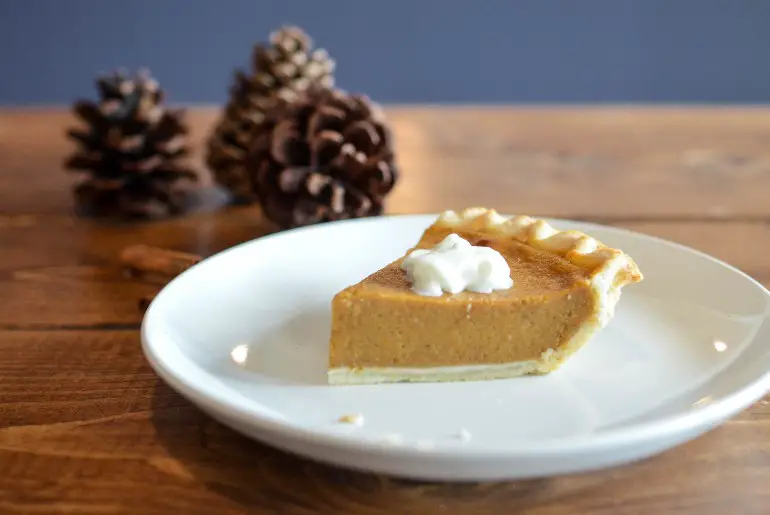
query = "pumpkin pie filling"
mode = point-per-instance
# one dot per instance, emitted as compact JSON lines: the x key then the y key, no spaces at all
{"x":382,"y":331}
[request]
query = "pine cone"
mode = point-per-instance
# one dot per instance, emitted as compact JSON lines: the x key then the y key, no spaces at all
{"x":132,"y":150}
{"x":327,"y":156}
{"x":281,"y":71}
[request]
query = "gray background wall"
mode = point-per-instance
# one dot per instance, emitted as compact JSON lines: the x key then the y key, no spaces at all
{"x":404,"y":51}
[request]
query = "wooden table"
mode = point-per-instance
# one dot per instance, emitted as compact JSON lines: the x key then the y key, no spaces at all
{"x":87,"y":427}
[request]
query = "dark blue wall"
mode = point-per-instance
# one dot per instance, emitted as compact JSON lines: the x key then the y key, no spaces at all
{"x":403,"y":50}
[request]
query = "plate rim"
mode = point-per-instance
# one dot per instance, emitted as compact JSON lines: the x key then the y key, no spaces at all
{"x":706,"y":416}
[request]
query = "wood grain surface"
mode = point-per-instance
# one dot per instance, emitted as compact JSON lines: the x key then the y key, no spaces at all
{"x":87,"y":427}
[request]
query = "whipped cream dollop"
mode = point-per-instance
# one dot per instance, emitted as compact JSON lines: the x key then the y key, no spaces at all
{"x":453,"y":266}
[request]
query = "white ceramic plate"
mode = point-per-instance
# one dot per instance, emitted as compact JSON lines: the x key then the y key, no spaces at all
{"x":244,"y":336}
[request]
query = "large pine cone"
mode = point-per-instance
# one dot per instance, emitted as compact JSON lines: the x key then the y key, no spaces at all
{"x":132,"y":151}
{"x":283,"y":70}
{"x":327,"y":156}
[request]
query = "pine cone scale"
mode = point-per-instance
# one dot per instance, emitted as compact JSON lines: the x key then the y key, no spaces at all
{"x":289,"y":148}
{"x":327,"y":118}
{"x":364,"y":136}
{"x":91,"y":115}
{"x":291,"y":179}
{"x":82,"y":161}
{"x":325,"y":148}
{"x":84,"y":138}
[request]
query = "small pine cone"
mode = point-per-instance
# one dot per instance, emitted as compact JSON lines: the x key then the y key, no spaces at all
{"x":280,"y":72}
{"x":132,"y":151}
{"x":327,"y":156}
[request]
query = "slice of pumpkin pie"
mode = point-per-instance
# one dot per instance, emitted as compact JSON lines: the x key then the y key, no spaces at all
{"x":479,"y":297}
